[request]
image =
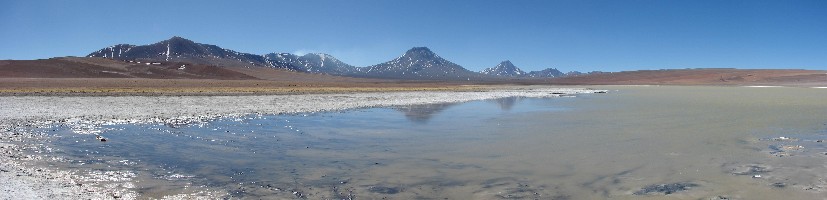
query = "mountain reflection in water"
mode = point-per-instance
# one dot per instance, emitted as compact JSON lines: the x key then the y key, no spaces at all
{"x":506,"y":103}
{"x":422,"y":113}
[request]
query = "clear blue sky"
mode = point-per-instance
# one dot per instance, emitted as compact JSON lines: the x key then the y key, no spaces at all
{"x":569,"y":35}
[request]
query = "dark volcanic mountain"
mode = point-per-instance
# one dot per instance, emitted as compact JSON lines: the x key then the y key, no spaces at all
{"x":312,"y":63}
{"x":419,"y":63}
{"x":505,"y":68}
{"x":177,"y":49}
{"x":546,"y":73}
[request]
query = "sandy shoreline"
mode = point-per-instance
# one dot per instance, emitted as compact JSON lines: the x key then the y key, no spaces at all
{"x":20,"y":179}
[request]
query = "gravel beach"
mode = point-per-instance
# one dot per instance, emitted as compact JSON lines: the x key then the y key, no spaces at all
{"x":20,"y":179}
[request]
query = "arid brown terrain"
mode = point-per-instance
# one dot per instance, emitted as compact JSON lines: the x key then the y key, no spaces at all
{"x":775,"y":77}
{"x":101,"y":76}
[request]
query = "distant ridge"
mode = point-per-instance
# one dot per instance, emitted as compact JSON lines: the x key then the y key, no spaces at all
{"x":546,"y":73}
{"x":312,"y":63}
{"x":505,"y":68}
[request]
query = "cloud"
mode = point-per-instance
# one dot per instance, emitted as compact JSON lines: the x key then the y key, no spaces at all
{"x":301,"y":52}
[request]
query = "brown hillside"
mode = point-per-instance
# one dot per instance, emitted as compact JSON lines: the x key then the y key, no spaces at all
{"x":73,"y":67}
{"x":794,"y":77}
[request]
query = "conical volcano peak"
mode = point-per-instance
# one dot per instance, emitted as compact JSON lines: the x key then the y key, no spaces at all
{"x":506,"y":63}
{"x":419,"y":63}
{"x":419,"y":51}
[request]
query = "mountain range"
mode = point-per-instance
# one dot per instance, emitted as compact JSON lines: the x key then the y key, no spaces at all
{"x":418,"y":63}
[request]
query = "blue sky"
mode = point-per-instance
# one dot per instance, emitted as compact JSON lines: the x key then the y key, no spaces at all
{"x":568,"y":35}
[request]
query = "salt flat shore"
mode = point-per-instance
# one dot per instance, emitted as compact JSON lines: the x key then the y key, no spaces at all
{"x":19,"y":179}
{"x":142,"y":108}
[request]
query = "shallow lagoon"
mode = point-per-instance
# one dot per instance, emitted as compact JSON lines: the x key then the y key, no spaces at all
{"x":633,"y":143}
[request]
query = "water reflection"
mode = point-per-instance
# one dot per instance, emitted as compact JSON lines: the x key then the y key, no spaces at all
{"x":424,"y":112}
{"x":506,"y":103}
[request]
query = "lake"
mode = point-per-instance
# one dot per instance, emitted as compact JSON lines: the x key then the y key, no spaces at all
{"x":636,"y":142}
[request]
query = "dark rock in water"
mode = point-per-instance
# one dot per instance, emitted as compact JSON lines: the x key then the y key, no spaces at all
{"x":511,"y":188}
{"x":751,"y":170}
{"x":384,"y":190}
{"x":719,"y":198}
{"x":665,"y":188}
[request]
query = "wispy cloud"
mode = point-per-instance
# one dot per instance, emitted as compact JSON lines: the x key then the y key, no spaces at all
{"x":304,"y":51}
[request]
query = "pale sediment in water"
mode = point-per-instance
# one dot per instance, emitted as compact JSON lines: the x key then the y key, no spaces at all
{"x":762,"y":86}
{"x":84,"y":114}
